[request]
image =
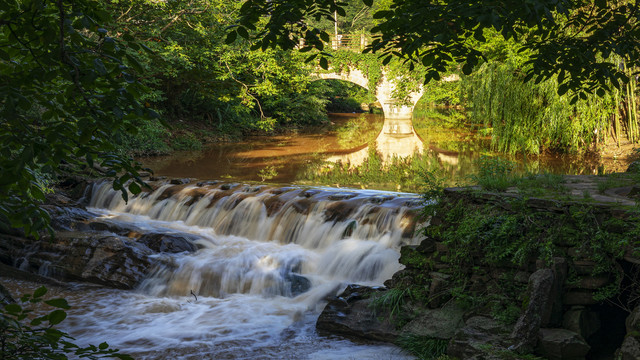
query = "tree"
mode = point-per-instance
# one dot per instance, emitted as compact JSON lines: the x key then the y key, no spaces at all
{"x":66,"y":87}
{"x":583,"y":42}
{"x":194,"y":74}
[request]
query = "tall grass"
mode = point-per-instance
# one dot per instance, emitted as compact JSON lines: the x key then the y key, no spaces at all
{"x":529,"y":118}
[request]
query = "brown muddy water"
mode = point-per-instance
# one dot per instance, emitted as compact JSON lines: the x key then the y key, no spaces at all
{"x":442,"y":136}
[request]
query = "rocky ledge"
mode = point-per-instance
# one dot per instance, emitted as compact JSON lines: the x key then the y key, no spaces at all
{"x":87,"y":247}
{"x":507,"y":276}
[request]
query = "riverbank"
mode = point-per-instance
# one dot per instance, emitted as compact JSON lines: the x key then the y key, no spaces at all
{"x":547,"y":270}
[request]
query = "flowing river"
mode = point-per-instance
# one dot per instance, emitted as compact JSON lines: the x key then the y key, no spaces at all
{"x":267,"y":260}
{"x":268,"y":257}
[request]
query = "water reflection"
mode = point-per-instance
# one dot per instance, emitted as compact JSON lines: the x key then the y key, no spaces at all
{"x":397,"y":139}
{"x":364,"y":150}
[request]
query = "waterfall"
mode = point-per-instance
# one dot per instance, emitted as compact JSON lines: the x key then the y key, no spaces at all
{"x":267,"y":259}
{"x":271,"y":241}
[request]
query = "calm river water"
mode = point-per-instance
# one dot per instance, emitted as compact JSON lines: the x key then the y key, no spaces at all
{"x":442,"y":138}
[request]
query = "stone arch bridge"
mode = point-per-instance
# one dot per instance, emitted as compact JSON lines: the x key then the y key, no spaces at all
{"x":392,"y":108}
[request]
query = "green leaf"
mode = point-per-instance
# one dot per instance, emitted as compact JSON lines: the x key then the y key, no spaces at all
{"x":103,"y":346}
{"x":134,"y":188}
{"x":243,"y":32}
{"x":13,"y":308}
{"x":57,"y":316}
{"x":324,"y":63}
{"x":231,"y":37}
{"x":40,"y":292}
{"x":574,"y":100}
{"x":59,"y":303}
{"x":382,"y":14}
{"x":562,"y":89}
{"x":467,"y":68}
{"x":368,"y":2}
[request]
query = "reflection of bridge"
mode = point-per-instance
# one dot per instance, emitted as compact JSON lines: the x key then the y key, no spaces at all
{"x":397,"y":139}
{"x":392,"y":108}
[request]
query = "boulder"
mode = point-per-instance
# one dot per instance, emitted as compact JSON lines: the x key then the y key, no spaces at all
{"x":630,"y":349}
{"x":439,"y":292}
{"x":110,"y":260}
{"x":480,"y":338}
{"x":562,"y":344}
{"x":298,"y":284}
{"x":179,"y":181}
{"x":68,"y":218}
{"x":350,"y":314}
{"x":439,"y":323}
{"x":525,"y":332}
{"x":633,"y":320}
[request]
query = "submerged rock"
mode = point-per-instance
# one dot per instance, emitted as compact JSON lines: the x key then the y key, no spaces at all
{"x":351,"y":314}
{"x":298,"y":283}
{"x":168,"y":243}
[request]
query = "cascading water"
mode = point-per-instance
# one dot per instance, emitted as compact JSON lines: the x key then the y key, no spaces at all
{"x":267,"y":259}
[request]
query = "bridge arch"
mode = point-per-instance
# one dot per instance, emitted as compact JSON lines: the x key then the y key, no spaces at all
{"x":391,"y":107}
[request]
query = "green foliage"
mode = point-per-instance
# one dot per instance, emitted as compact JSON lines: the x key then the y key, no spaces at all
{"x":267,"y":173}
{"x":573,"y":40}
{"x":532,"y":117}
{"x":395,"y":173}
{"x":344,"y":96}
{"x":150,"y":140}
{"x":186,"y":142}
{"x":425,"y":348}
{"x":510,"y":233}
{"x":391,"y":301}
{"x":196,"y":75}
{"x":445,"y":93}
{"x":26,"y":335}
{"x":494,"y":173}
{"x":67,"y":87}
{"x":358,"y":131}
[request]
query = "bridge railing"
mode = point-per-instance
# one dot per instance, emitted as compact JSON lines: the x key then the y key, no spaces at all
{"x":350,"y":42}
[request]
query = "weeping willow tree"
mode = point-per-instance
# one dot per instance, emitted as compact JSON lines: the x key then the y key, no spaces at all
{"x":530,"y":118}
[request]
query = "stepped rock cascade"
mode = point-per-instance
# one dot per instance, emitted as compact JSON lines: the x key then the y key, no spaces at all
{"x":272,"y":241}
{"x":263,"y":263}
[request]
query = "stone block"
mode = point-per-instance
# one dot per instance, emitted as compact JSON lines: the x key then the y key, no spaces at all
{"x":584,"y":267}
{"x":562,"y":344}
{"x":582,"y":321}
{"x":579,"y":297}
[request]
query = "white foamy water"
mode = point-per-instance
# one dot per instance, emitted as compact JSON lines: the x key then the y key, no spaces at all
{"x":267,"y":260}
